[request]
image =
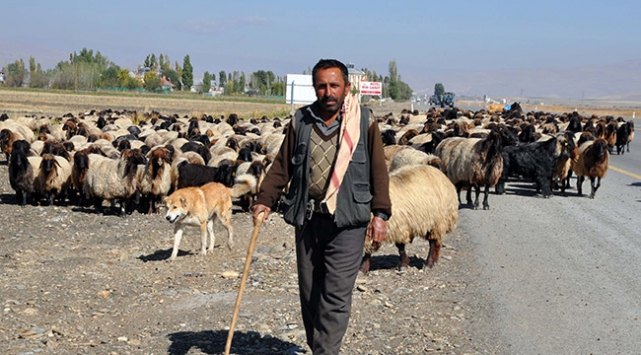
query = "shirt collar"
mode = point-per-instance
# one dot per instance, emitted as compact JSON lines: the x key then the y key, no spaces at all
{"x":314,"y":111}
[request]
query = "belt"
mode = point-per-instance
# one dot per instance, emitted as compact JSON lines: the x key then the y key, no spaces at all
{"x":315,"y":206}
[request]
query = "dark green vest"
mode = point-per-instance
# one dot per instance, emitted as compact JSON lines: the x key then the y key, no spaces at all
{"x":354,"y":195}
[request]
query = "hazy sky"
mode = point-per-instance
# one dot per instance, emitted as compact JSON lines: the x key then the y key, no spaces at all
{"x":425,"y":38}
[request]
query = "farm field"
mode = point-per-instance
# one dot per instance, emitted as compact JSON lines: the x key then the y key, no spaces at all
{"x":531,"y":275}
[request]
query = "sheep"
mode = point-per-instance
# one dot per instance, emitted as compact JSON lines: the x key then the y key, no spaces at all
{"x":198,"y":175}
{"x":413,"y":157}
{"x":22,"y":173}
{"x":563,"y":163}
{"x":611,"y":135}
{"x":424,"y":205}
{"x":79,"y":174}
{"x":623,"y":134}
{"x":593,"y":161}
{"x":54,"y":177}
{"x":12,"y":133}
{"x":473,"y":162}
{"x":197,"y":147}
{"x":255,"y":168}
{"x":155,"y":179}
{"x":111,"y":179}
{"x":531,"y":161}
{"x":631,"y":135}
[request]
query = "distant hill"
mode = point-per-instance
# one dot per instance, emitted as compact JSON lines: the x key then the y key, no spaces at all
{"x":620,"y":82}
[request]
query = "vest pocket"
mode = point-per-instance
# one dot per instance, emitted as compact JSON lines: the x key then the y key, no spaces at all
{"x":362,"y":193}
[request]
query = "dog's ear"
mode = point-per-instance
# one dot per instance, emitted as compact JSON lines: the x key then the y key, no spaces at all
{"x":183,"y":202}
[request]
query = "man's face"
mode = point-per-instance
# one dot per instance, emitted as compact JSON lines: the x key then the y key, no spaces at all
{"x":330,"y":89}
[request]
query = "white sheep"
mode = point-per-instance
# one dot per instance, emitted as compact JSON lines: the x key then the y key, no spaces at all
{"x":424,"y":205}
{"x":413,"y":157}
{"x":111,"y":179}
{"x":53,"y":178}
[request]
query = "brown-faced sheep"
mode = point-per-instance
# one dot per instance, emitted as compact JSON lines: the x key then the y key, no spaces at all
{"x":424,"y":205}
{"x":54,"y":177}
{"x":155,"y":179}
{"x":593,"y":162}
{"x":12,"y":133}
{"x":631,"y":135}
{"x":569,"y":152}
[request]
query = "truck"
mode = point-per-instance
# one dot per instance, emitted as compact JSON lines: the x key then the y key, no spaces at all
{"x":447,"y":98}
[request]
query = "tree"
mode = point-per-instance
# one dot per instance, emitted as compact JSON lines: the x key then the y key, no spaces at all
{"x":222,"y":78}
{"x":152,"y":81}
{"x":261,"y":79}
{"x":188,"y":73}
{"x":397,"y":89}
{"x":16,"y":73}
{"x":241,"y":83}
{"x":127,"y":81}
{"x":179,"y":70}
{"x":439,"y":89}
{"x":206,"y":82}
{"x":278,"y":88}
{"x":109,"y":76}
{"x":161,"y":62}
{"x":37,"y":79}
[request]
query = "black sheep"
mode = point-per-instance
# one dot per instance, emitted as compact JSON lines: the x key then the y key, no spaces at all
{"x":197,"y":147}
{"x":623,"y":133}
{"x":198,"y":175}
{"x":389,"y":137}
{"x":531,"y":161}
{"x":22,"y":174}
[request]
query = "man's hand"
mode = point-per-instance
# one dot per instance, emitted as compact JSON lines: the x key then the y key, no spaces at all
{"x":258,"y":208}
{"x":377,"y":230}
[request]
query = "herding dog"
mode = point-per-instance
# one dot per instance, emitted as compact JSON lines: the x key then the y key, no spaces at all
{"x":199,"y":206}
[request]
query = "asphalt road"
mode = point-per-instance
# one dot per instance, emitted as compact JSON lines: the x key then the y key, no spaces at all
{"x":561,"y":275}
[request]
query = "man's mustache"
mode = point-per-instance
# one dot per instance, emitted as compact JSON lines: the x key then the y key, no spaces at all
{"x":332,"y":98}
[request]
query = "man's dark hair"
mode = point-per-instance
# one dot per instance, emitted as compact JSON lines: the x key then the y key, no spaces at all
{"x":329,"y":63}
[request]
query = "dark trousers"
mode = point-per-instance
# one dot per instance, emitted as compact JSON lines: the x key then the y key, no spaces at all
{"x":328,"y":260}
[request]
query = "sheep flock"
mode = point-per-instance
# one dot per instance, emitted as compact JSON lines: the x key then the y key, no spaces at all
{"x":120,"y":162}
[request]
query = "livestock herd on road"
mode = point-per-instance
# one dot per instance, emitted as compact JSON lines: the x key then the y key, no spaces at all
{"x":133,"y":160}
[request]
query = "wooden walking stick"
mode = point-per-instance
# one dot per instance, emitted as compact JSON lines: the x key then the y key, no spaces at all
{"x":252,"y":244}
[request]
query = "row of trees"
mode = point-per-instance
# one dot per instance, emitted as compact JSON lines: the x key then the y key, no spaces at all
{"x":87,"y":70}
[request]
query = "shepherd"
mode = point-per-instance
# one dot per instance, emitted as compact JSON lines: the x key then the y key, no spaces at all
{"x":332,"y":162}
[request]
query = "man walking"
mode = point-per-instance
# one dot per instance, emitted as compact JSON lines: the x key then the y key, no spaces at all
{"x":333,"y":164}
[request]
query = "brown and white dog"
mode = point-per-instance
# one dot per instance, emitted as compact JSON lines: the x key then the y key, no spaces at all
{"x":199,"y":206}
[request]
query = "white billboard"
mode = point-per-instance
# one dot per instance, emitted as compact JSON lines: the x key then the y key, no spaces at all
{"x":300,"y":89}
{"x":374,"y":88}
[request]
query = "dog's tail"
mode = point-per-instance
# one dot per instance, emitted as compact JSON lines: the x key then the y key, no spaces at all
{"x":244,"y":184}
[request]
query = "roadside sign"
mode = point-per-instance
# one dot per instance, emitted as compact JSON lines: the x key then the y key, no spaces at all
{"x":373,"y":88}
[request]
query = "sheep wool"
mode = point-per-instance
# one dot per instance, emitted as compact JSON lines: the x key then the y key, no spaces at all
{"x":424,"y":205}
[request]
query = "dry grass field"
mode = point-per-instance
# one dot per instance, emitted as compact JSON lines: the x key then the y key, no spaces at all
{"x":16,"y":103}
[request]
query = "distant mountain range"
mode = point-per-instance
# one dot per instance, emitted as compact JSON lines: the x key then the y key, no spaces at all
{"x":616,"y":82}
